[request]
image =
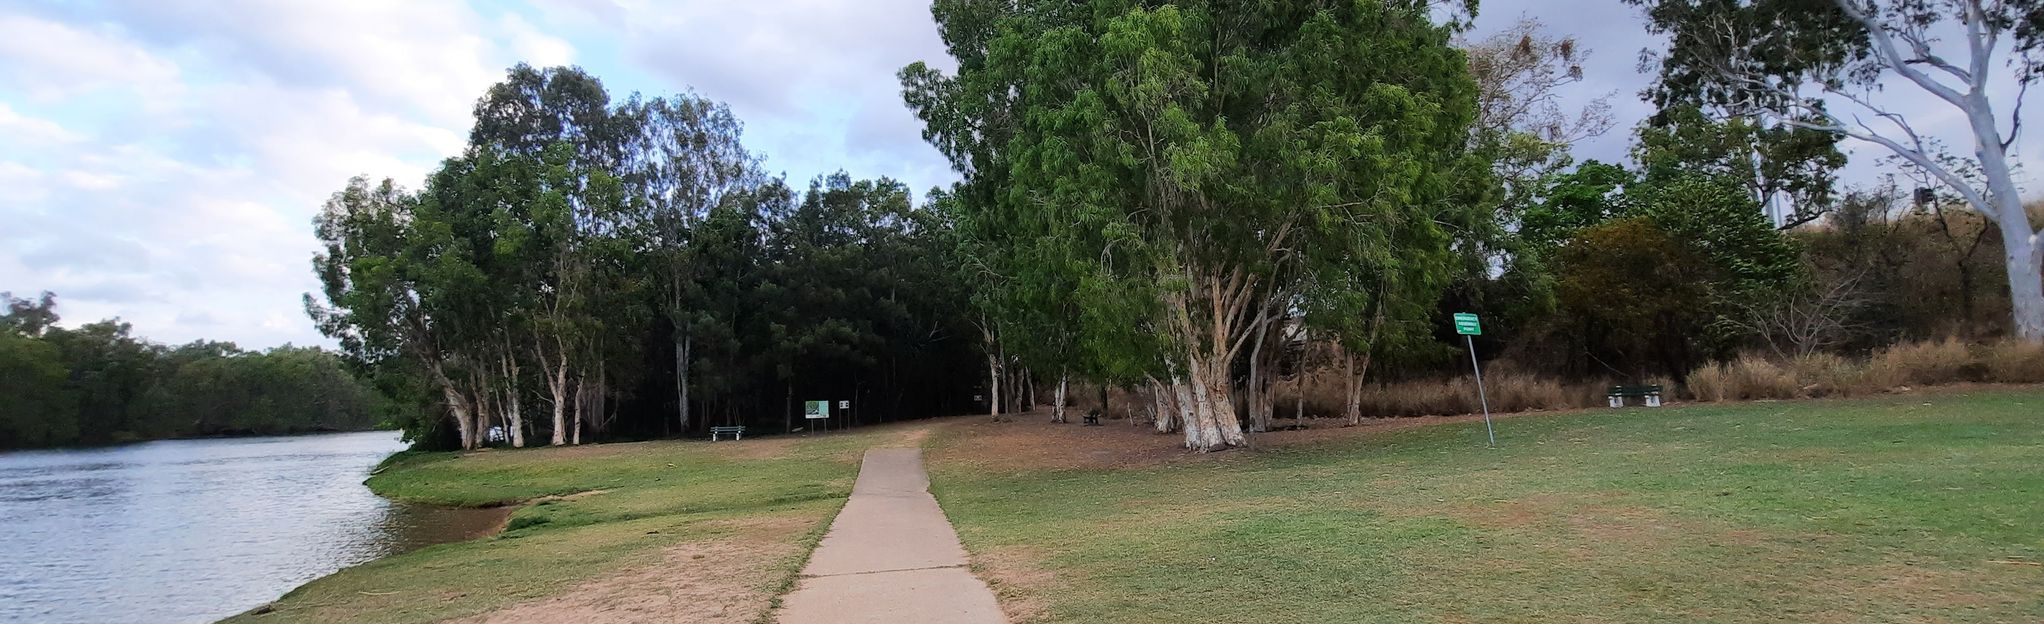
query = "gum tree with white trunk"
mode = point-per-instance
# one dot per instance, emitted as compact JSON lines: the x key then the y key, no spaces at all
{"x":1850,"y":66}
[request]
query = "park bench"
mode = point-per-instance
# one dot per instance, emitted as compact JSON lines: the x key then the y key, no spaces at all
{"x":737,"y":432}
{"x":1093,"y":417}
{"x":1618,"y":394}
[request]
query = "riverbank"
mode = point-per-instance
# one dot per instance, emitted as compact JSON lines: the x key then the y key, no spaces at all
{"x":1842,"y":509}
{"x":670,"y":531}
{"x":124,"y":439}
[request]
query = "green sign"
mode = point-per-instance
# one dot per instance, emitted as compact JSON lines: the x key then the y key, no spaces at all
{"x":1466,"y":324}
{"x":815,"y":410}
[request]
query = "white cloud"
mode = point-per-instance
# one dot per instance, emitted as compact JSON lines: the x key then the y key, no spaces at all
{"x":32,"y":131}
{"x":813,"y":79}
{"x":190,"y":217}
{"x":162,"y":160}
{"x":50,"y":60}
{"x":535,"y":47}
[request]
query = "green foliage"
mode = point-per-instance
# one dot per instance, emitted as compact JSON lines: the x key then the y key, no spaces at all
{"x":39,"y":409}
{"x":1791,"y":163}
{"x":1720,"y":221}
{"x":1633,"y":297}
{"x":1591,"y":194}
{"x":1131,"y":166}
{"x":97,"y":384}
{"x":610,"y":269}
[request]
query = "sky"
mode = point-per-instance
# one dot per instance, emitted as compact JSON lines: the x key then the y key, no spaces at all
{"x":161,"y":161}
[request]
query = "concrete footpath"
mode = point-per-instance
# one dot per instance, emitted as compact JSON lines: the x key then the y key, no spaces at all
{"x":890,"y":556}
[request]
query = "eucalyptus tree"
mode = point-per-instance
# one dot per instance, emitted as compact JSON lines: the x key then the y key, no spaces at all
{"x":684,"y":160}
{"x":1204,"y":148}
{"x":1845,"y":67}
{"x":376,"y":280}
{"x":1789,"y":170}
{"x":565,"y":215}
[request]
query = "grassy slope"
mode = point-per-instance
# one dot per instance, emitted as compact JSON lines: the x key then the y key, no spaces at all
{"x":648,"y":497}
{"x":1891,"y":509}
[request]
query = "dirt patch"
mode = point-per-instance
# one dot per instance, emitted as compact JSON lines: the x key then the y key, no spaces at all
{"x":1030,"y":441}
{"x":729,"y":578}
{"x":1018,"y":577}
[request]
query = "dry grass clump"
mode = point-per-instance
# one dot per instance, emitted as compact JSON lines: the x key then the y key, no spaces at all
{"x":1826,"y":374}
{"x":1748,"y":377}
{"x":1514,"y":391}
{"x":1508,"y":390}
{"x":2013,"y":361}
{"x":1751,"y":376}
{"x":1918,"y":364}
{"x":1899,"y":366}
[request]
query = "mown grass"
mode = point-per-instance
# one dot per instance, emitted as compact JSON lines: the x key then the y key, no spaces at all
{"x":1902,"y":508}
{"x":593,"y":511}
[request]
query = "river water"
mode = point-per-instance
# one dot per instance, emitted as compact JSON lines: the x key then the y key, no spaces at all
{"x":196,"y":530}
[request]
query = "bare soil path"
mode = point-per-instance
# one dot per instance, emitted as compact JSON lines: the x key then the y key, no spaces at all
{"x":891,"y":556}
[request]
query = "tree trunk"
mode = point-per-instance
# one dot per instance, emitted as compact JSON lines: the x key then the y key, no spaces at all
{"x":1156,"y":407}
{"x":512,"y":405}
{"x":1299,"y":395}
{"x":557,"y":385}
{"x":2018,"y":235}
{"x":1171,"y":405}
{"x":479,"y":403}
{"x":1213,"y":425}
{"x":1258,"y":394}
{"x":2026,"y":282}
{"x":994,"y":387}
{"x":457,"y":407}
{"x":681,"y":360}
{"x":1354,"y":367}
{"x":581,"y":398}
{"x":1028,"y":385}
{"x":1057,"y":398}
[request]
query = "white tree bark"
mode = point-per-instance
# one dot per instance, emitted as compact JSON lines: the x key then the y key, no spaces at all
{"x":1057,"y":408}
{"x":512,"y":400}
{"x":580,"y":401}
{"x":1213,"y":424}
{"x":557,"y":385}
{"x":457,"y":406}
{"x":1905,"y":47}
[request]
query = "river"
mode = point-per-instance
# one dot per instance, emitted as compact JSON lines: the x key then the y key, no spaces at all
{"x":196,"y":530}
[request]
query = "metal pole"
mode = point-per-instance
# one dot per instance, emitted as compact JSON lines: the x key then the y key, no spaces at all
{"x":1480,"y":395}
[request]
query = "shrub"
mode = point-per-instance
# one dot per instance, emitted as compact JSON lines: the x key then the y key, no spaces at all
{"x":1748,"y":377}
{"x":1826,"y":374}
{"x":1919,"y":364}
{"x":1513,"y":391}
{"x":2013,"y":361}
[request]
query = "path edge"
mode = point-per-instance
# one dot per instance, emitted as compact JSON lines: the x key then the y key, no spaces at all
{"x":792,"y":566}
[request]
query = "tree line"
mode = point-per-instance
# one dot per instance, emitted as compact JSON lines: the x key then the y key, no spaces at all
{"x":99,"y":384}
{"x":1190,"y":198}
{"x":589,"y":268}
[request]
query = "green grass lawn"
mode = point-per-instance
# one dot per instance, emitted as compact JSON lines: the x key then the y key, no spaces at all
{"x":1895,"y":509}
{"x":605,"y":516}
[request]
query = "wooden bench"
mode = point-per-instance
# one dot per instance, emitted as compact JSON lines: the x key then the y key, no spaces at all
{"x":1093,"y":417}
{"x":1618,"y":394}
{"x":737,"y":433}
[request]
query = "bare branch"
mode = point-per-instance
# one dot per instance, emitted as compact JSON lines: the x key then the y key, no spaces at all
{"x":1885,"y":46}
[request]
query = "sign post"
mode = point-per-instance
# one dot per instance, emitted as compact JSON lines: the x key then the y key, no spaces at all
{"x":1467,"y":325}
{"x":816,"y":410}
